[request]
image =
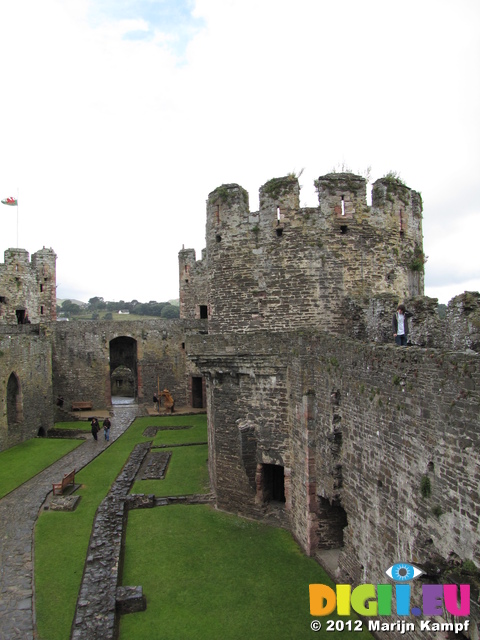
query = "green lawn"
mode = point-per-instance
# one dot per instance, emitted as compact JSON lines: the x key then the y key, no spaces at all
{"x":58,"y":575}
{"x":187,"y":473}
{"x":22,"y":462}
{"x":82,"y":425}
{"x":205,"y":574}
{"x":209,"y":575}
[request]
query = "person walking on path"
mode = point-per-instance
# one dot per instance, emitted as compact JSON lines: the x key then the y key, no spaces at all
{"x":106,"y":428}
{"x":95,"y":428}
{"x":18,"y":514}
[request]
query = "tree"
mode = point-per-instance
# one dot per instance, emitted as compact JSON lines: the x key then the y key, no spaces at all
{"x":169,"y":311}
{"x":97,"y":303}
{"x":71,"y":307}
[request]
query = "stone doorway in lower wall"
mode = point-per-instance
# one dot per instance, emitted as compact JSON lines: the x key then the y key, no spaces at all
{"x":332,"y":520}
{"x":272,"y":483}
{"x":197,"y":392}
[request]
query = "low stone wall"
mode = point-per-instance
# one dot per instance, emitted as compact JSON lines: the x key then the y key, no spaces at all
{"x":95,"y":616}
{"x":101,"y":600}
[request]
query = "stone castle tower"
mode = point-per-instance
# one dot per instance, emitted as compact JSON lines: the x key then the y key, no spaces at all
{"x":28,"y":288}
{"x":317,"y":421}
{"x":286,"y":266}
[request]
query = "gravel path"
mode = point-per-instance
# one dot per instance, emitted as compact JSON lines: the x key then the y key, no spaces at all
{"x":18,"y":513}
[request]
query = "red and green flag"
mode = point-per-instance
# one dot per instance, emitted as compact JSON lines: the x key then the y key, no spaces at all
{"x":11,"y":202}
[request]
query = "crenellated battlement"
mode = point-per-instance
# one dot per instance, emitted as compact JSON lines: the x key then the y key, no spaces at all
{"x":294,"y":266}
{"x":28,"y":288}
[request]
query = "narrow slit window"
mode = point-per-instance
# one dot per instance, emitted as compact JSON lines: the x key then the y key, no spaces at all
{"x":343,"y":205}
{"x":278,"y":214}
{"x":401,"y":221}
{"x":217,"y":213}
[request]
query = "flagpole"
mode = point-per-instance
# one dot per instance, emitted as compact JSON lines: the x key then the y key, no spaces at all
{"x":18,"y":200}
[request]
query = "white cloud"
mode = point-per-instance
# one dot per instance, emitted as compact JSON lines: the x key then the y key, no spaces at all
{"x":115,"y":143}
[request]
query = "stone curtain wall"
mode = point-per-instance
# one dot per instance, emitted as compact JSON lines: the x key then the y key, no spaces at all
{"x":362,"y":431}
{"x":407,"y":466}
{"x":81,"y":352}
{"x":25,"y":352}
{"x":80,"y":364}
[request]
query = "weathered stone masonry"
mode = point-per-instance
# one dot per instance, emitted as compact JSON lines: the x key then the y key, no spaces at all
{"x":352,"y":444}
{"x":46,"y":367}
{"x":86,"y":353}
{"x":28,"y":288}
{"x":316,"y":421}
{"x":26,"y":407}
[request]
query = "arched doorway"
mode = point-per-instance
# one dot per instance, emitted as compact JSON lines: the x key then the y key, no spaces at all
{"x":14,"y":401}
{"x":123,"y":369}
{"x":122,"y":381}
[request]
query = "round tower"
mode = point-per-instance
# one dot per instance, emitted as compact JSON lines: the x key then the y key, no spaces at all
{"x":45,"y":269}
{"x":397,"y":209}
{"x":227,"y":215}
{"x":229,"y":257}
{"x":378,"y":249}
{"x":192,"y":285}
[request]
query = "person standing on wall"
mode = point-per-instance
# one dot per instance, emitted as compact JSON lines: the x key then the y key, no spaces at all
{"x":400,"y":326}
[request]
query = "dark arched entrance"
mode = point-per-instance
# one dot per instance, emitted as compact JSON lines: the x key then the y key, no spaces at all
{"x":122,"y":382}
{"x":123,"y":358}
{"x":14,"y":401}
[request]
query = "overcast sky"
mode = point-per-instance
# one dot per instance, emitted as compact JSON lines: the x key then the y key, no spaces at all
{"x":118,"y":118}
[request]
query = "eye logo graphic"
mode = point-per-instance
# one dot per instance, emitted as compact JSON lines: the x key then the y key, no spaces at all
{"x":403,"y":572}
{"x":373,"y":600}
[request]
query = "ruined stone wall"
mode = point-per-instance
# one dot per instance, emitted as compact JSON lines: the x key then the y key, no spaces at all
{"x":26,"y":402}
{"x":284,"y":266}
{"x":244,"y":392}
{"x":28,"y":287}
{"x":380,"y":445}
{"x":463,"y":321}
{"x":82,"y":351}
{"x":399,"y":450}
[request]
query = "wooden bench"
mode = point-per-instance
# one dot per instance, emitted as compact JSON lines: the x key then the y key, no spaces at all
{"x":59,"y":487}
{"x":79,"y":406}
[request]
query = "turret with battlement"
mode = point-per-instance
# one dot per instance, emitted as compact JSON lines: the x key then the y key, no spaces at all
{"x":28,"y":288}
{"x":285,"y":266}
